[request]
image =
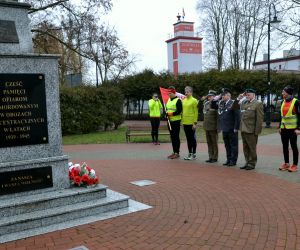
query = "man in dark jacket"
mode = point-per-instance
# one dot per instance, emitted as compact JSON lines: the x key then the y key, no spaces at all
{"x":229,"y":123}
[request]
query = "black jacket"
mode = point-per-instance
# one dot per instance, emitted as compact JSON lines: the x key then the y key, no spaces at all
{"x":229,"y":116}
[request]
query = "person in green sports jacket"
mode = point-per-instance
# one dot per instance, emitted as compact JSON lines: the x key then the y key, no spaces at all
{"x":155,"y":109}
{"x":189,"y":121}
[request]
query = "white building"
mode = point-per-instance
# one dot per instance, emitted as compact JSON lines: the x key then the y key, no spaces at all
{"x":184,"y":49}
{"x":289,"y":62}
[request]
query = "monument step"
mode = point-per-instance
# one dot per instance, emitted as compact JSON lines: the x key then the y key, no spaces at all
{"x":61,"y":214}
{"x":51,"y":199}
{"x":133,"y":207}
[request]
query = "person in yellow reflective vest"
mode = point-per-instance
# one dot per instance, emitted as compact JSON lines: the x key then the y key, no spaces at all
{"x":155,"y":108}
{"x":289,"y":128}
{"x":174,"y":110}
{"x":189,"y":121}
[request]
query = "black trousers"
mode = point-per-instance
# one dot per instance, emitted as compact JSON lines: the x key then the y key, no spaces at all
{"x":231,"y":142}
{"x":289,"y":136}
{"x":174,"y":133}
{"x":191,"y":138}
{"x":155,"y":122}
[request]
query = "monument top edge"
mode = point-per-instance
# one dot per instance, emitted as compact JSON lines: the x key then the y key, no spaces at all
{"x":30,"y":55}
{"x":14,"y":4}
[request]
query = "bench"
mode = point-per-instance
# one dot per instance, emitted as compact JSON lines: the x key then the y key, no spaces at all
{"x":144,"y":130}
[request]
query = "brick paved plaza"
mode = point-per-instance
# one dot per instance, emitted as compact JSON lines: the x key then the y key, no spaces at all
{"x":195,"y":205}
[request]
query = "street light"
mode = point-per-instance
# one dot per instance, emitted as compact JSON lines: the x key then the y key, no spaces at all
{"x":275,"y":20}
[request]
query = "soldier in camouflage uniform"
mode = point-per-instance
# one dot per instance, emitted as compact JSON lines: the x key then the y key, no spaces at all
{"x":210,"y":125}
{"x":252,"y":116}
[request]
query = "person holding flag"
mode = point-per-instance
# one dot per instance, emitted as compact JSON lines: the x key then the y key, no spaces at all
{"x":189,"y":121}
{"x":173,"y":110}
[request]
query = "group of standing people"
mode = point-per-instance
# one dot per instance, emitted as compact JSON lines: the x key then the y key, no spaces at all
{"x":225,"y":115}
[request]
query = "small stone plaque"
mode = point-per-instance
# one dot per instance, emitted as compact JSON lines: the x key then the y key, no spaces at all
{"x":79,"y":248}
{"x":23,"y":114}
{"x":25,"y":180}
{"x":142,"y":183}
{"x":8,"y":32}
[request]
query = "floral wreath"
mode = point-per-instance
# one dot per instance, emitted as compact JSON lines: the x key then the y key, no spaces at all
{"x":82,"y":175}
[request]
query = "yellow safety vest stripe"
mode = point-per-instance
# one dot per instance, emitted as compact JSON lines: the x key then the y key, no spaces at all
{"x":171,"y":107}
{"x":288,"y":121}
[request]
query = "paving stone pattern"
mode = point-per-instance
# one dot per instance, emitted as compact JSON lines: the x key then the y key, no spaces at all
{"x":195,"y":205}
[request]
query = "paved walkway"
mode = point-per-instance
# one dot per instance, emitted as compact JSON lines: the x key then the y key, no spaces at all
{"x":195,"y":205}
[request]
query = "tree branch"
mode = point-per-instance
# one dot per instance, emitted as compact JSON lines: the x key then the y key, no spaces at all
{"x":47,"y":6}
{"x":62,"y":42}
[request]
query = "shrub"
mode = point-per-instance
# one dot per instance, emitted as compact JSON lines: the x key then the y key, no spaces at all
{"x":87,"y":109}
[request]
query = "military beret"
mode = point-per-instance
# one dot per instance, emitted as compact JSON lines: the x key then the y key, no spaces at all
{"x":250,"y":91}
{"x":212,"y":92}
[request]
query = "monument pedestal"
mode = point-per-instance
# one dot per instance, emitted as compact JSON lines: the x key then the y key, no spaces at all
{"x":34,"y":181}
{"x":30,"y":131}
{"x":36,"y":110}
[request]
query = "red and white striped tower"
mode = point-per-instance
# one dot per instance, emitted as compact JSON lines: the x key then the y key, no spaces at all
{"x":184,"y":49}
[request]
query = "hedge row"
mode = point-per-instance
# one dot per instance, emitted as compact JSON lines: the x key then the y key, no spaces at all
{"x":86,"y":109}
{"x":141,"y":86}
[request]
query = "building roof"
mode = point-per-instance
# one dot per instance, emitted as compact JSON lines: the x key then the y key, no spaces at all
{"x":185,"y":38}
{"x":183,"y":22}
{"x":284,"y":59}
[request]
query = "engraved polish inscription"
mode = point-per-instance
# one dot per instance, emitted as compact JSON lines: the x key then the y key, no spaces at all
{"x":23,"y":115}
{"x":25,"y":180}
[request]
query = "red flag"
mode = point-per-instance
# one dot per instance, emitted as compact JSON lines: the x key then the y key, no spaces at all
{"x":165,"y":95}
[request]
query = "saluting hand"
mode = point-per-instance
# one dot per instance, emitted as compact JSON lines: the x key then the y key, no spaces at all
{"x":241,"y":96}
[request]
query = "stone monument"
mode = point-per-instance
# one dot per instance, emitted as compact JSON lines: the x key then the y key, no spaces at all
{"x":30,"y":129}
{"x":34,"y":183}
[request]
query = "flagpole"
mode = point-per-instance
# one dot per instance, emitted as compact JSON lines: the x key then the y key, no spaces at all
{"x":167,"y":117}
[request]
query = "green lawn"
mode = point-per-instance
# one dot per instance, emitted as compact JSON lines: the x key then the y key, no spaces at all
{"x":118,"y":136}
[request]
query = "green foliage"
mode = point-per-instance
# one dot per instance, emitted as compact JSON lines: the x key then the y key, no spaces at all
{"x":86,"y":109}
{"x":142,"y":85}
{"x":118,"y":136}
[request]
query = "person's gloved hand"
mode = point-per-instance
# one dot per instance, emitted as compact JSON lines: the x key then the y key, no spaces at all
{"x":170,"y":113}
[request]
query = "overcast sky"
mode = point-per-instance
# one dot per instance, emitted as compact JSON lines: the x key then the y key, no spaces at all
{"x":144,"y":25}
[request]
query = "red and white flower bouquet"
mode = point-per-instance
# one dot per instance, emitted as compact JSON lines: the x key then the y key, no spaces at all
{"x":82,"y":175}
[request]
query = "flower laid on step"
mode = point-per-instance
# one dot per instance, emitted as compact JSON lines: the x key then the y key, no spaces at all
{"x":82,"y":175}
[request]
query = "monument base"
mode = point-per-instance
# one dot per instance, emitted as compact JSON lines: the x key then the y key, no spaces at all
{"x":33,"y":176}
{"x":51,"y":211}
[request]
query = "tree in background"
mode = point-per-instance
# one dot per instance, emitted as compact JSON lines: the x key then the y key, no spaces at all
{"x":215,"y":20}
{"x":82,"y":35}
{"x":112,"y":59}
{"x":235,"y":30}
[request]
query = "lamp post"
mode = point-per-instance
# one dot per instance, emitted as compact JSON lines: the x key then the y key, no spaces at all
{"x":275,"y":20}
{"x":97,"y":81}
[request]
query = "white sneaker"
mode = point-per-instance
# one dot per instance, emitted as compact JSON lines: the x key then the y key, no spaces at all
{"x":194,"y":157}
{"x":189,"y":157}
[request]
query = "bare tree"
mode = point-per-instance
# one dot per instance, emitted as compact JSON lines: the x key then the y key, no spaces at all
{"x":215,"y":22}
{"x":242,"y":26}
{"x":77,"y":26}
{"x":110,"y":56}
